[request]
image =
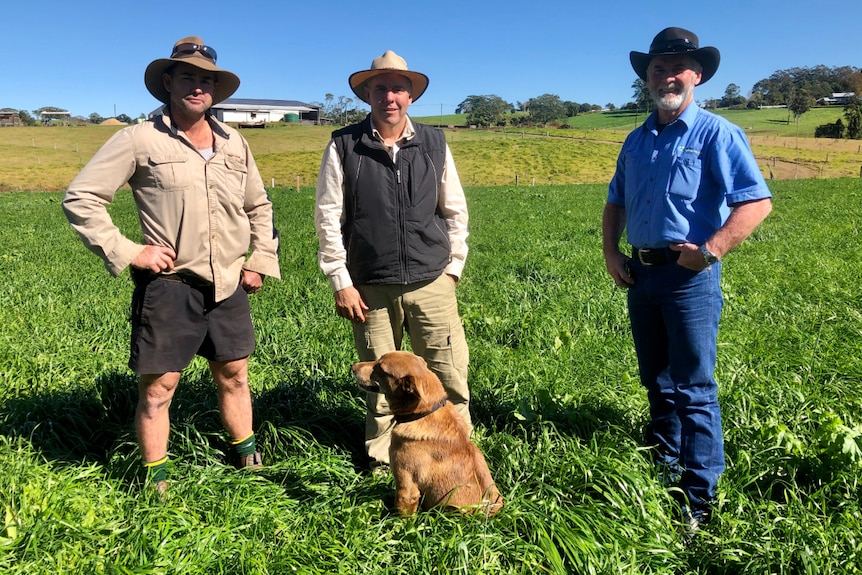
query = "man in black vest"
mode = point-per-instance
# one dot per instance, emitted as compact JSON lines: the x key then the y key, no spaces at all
{"x":391,"y":220}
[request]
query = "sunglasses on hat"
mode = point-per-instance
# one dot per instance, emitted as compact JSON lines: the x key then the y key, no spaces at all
{"x":675,"y":45}
{"x":188,"y":48}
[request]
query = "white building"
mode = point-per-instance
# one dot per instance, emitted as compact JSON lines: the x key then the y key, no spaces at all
{"x":248,"y":111}
{"x":257,"y":113}
{"x":838,"y":98}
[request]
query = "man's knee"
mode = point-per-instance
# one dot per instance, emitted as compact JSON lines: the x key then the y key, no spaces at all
{"x":230,"y":376}
{"x":156,"y":391}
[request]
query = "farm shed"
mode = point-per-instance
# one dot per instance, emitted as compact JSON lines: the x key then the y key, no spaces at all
{"x":249,"y":111}
{"x":258,"y":112}
{"x":838,"y":98}
{"x":9,"y":117}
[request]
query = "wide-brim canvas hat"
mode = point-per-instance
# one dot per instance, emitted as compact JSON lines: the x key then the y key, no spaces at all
{"x":676,"y":41}
{"x":190,"y":50}
{"x":389,"y":62}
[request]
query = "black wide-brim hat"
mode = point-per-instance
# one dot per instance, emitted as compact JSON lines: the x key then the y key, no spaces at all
{"x":190,"y":50}
{"x":677,"y":41}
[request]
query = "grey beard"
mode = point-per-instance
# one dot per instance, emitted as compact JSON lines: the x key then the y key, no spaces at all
{"x":671,"y":102}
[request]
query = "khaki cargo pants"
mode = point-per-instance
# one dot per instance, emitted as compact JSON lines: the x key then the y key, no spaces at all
{"x":429,"y":312}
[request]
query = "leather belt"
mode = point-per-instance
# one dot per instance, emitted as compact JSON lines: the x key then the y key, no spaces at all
{"x":655,"y":256}
{"x":144,"y":276}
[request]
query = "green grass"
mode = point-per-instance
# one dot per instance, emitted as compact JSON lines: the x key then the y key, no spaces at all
{"x":556,"y":400}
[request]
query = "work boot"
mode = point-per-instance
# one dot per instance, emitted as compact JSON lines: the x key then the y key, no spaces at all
{"x":250,"y":461}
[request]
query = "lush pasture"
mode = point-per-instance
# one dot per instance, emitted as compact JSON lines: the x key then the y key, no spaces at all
{"x":584,"y":151}
{"x":558,"y":407}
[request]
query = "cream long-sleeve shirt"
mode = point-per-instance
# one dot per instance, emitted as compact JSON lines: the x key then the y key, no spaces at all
{"x":209,"y":211}
{"x":329,"y":213}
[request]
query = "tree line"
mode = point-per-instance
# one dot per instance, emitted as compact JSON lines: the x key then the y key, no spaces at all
{"x":45,"y":114}
{"x":797,"y":89}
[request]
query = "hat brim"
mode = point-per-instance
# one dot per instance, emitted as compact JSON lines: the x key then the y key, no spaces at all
{"x":708,"y":57}
{"x":226,"y":82}
{"x":418,"y":81}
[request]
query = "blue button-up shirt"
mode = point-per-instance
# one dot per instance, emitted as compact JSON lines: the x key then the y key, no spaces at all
{"x":679,"y":186}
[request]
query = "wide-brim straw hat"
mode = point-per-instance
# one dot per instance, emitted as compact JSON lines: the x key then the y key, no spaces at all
{"x":676,"y":41}
{"x":388,"y":63}
{"x":190,"y":50}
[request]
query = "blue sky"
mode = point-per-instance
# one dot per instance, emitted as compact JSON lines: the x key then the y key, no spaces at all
{"x":89,"y":56}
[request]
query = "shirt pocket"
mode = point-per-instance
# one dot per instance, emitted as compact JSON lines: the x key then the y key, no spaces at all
{"x":685,"y":178}
{"x":170,"y":172}
{"x":236,"y":176}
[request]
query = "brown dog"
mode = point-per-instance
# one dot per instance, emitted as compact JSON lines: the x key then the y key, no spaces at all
{"x":431,"y":454}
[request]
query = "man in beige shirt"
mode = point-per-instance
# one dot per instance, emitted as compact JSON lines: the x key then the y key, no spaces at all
{"x":201,"y":204}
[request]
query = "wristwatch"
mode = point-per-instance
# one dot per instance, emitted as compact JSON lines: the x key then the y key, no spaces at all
{"x":709,"y":257}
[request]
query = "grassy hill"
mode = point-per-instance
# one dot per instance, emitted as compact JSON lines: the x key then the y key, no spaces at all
{"x":772,"y":121}
{"x":582,"y":150}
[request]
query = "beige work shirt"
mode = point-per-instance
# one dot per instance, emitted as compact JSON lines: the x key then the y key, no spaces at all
{"x":209,"y":211}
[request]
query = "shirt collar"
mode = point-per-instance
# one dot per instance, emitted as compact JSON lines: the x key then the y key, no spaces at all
{"x":214,"y":124}
{"x":407,"y":134}
{"x":687,"y":117}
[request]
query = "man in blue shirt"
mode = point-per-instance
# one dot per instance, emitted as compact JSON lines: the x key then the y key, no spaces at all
{"x":687,"y":190}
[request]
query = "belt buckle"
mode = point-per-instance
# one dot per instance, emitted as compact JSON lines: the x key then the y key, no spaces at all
{"x":641,"y":257}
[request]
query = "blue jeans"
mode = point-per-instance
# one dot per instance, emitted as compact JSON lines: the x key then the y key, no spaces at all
{"x":674,"y":315}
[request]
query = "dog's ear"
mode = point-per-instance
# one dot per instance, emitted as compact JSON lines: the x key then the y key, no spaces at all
{"x":409,"y":385}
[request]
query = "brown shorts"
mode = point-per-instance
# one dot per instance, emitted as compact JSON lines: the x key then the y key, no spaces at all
{"x":173,"y":321}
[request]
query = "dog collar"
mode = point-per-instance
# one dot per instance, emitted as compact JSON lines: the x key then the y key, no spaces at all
{"x":407,"y":418}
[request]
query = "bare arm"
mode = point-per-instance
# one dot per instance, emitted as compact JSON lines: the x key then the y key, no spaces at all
{"x":743,"y":220}
{"x":613,"y":224}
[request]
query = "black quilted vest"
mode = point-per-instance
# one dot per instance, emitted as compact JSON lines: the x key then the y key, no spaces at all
{"x":394,"y":232}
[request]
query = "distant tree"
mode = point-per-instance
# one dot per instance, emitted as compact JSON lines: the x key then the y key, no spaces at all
{"x":732,"y":97}
{"x":47,"y":109}
{"x":546,"y":108}
{"x":572,"y":108}
{"x":484,"y":111}
{"x":642,"y":97}
{"x":799,"y":104}
{"x":124,"y":119}
{"x":853,"y":115}
{"x":585,"y":107}
{"x":342,"y":111}
{"x":818,"y":81}
{"x":835,"y":130}
{"x":854,"y":82}
{"x":26,"y":118}
{"x":95,"y":118}
{"x":755,"y":100}
{"x":610,"y":106}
